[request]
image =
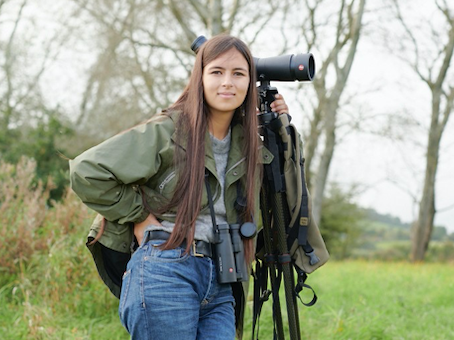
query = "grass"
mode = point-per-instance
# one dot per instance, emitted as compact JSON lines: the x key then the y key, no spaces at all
{"x":357,"y":300}
{"x":378,"y":301}
{"x":49,"y":287}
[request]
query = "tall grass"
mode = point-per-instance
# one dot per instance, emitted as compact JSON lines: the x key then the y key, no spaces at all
{"x":49,"y":288}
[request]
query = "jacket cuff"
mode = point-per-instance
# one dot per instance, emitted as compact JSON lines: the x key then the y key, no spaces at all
{"x":143,"y":216}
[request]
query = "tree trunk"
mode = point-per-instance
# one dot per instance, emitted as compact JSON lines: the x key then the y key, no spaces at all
{"x":319,"y":184}
{"x":329,"y":104}
{"x":312,"y":142}
{"x":422,"y":228}
{"x":442,"y":106}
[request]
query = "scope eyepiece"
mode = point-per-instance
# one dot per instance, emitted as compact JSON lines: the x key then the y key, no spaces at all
{"x":197,"y":43}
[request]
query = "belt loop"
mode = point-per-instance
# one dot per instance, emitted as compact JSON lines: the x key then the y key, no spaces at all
{"x":146,"y":236}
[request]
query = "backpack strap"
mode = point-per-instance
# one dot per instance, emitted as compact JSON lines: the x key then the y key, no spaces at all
{"x":300,"y":225}
{"x":300,"y":284}
{"x":261,"y":294}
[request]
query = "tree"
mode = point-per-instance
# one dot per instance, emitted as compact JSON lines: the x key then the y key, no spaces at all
{"x":431,"y":62}
{"x":140,"y":64}
{"x":337,"y":57}
{"x":28,"y":124}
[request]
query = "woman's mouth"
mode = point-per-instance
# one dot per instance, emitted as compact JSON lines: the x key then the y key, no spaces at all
{"x":226,"y":94}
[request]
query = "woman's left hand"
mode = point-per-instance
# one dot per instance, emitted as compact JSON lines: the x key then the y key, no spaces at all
{"x":279,"y":104}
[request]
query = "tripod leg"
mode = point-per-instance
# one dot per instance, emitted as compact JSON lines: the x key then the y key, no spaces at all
{"x":279,"y":224}
{"x":269,"y":250}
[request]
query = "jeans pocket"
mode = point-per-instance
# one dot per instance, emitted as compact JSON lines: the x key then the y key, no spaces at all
{"x":168,"y":255}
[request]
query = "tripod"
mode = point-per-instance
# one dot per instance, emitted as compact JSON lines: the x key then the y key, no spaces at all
{"x":276,"y":221}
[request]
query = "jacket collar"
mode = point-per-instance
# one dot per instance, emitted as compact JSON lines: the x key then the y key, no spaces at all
{"x":235,"y":154}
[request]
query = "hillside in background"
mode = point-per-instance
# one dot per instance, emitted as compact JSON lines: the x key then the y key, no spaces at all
{"x":386,"y":237}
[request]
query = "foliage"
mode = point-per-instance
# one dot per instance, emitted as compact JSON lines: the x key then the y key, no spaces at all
{"x":386,"y":238}
{"x":23,"y":212}
{"x":39,"y":141}
{"x":49,"y":286}
{"x":339,"y":223}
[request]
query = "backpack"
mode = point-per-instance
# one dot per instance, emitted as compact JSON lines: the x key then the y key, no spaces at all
{"x":290,"y":242}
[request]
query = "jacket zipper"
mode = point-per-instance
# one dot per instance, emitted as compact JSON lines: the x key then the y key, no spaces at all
{"x":165,"y":181}
{"x":235,"y":165}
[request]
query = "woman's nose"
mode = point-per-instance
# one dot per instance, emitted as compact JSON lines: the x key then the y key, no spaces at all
{"x":227,"y":80}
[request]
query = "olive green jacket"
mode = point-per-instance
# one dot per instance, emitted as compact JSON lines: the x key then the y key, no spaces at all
{"x":112,"y":177}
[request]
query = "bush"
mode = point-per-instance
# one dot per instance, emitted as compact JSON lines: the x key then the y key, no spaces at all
{"x":40,"y":139}
{"x":23,"y":210}
{"x":49,"y":285}
{"x":440,"y":251}
{"x":340,"y":223}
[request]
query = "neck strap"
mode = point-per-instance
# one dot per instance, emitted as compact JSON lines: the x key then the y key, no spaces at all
{"x":210,"y":203}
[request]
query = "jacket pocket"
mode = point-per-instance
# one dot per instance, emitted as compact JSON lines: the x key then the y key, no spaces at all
{"x":160,"y":189}
{"x":168,"y":184}
{"x":114,"y":236}
{"x":265,"y":156}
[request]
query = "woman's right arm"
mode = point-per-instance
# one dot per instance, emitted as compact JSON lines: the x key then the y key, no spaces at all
{"x":105,"y":177}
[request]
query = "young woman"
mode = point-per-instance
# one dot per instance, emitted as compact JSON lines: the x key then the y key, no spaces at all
{"x":153,"y":177}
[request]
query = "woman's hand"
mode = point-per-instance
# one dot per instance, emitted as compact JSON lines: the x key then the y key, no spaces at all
{"x":279,"y":104}
{"x":139,"y":228}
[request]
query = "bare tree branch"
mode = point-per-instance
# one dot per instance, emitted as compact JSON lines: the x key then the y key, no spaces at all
{"x":447,"y":208}
{"x":105,"y":60}
{"x":215,"y":23}
{"x":409,"y":33}
{"x":8,"y":66}
{"x":148,"y":80}
{"x":260,"y":20}
{"x":233,"y":14}
{"x":448,"y":53}
{"x":447,"y":111}
{"x":201,"y":10}
{"x":181,"y":18}
{"x":2,"y":2}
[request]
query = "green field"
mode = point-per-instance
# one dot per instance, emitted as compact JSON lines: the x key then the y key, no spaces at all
{"x":377,"y":300}
{"x":357,"y":300}
{"x":49,"y":288}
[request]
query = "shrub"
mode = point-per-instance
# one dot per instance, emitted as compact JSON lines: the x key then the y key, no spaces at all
{"x":23,"y":210}
{"x":340,"y":222}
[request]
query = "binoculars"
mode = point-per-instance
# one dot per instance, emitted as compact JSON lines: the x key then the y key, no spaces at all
{"x":229,"y":251}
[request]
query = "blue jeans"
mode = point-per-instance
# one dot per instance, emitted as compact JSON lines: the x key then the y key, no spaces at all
{"x":170,"y":295}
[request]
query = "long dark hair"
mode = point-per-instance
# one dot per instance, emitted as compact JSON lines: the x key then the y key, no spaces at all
{"x":191,"y":128}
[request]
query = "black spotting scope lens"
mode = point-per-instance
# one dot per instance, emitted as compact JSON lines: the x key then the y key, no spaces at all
{"x":290,"y":67}
{"x":286,"y":67}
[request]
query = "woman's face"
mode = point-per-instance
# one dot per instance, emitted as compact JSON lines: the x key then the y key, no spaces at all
{"x":226,"y":82}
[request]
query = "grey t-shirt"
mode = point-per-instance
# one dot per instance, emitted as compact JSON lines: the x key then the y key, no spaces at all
{"x":204,"y":225}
